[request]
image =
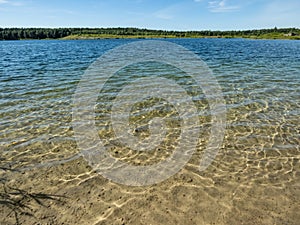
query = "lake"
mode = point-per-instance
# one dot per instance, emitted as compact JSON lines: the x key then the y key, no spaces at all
{"x":254,"y":178}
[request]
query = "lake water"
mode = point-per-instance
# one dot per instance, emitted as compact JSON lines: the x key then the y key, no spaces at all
{"x":254,"y":179}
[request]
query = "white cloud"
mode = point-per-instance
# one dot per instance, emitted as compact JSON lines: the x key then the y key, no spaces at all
{"x":222,"y":6}
{"x":3,"y":1}
{"x":13,"y":3}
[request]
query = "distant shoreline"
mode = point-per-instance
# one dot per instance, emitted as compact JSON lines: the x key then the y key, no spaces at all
{"x":136,"y":33}
{"x":82,"y":38}
{"x":168,"y":37}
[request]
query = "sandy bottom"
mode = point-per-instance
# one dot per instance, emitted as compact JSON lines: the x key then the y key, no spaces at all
{"x":235,"y":189}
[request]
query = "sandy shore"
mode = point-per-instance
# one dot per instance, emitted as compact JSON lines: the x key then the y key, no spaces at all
{"x":240,"y":192}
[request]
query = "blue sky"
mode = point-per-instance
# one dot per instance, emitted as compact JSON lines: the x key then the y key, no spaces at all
{"x":152,"y":14}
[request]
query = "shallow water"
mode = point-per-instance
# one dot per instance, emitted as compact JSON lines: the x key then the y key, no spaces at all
{"x":257,"y":164}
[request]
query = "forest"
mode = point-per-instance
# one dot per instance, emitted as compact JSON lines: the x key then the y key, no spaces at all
{"x":94,"y":33}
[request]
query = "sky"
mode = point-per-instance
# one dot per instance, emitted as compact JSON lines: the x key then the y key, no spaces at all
{"x":152,"y":14}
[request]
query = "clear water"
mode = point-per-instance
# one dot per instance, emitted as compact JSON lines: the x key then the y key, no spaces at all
{"x":260,"y":80}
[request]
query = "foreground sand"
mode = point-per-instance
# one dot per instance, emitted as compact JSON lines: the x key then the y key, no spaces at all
{"x":232,"y":191}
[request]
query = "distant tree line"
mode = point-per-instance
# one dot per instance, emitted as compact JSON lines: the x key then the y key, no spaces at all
{"x":33,"y":33}
{"x":55,"y":33}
